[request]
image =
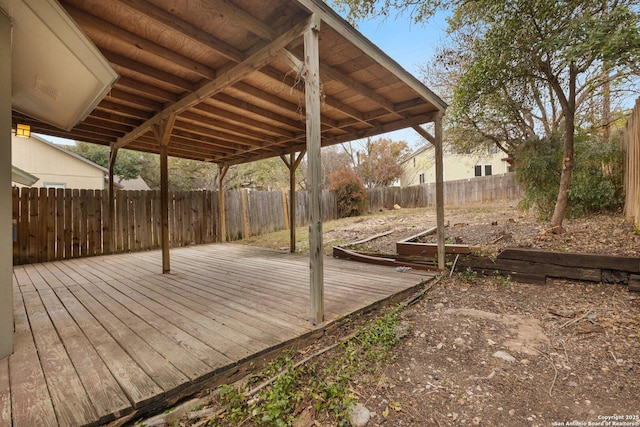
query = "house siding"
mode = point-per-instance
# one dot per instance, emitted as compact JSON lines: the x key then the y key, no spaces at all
{"x":456,"y":166}
{"x":54,"y":166}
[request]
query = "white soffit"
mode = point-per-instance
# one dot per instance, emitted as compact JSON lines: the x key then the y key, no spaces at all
{"x":58,"y":75}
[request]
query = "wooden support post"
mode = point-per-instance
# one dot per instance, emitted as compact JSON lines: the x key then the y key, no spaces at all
{"x":439,"y":192}
{"x":284,"y":208}
{"x":163,"y":134}
{"x":292,"y":165}
{"x":437,"y":143}
{"x":164,"y":209}
{"x":292,"y":203}
{"x":6,"y":241}
{"x":245,"y":214}
{"x":222,"y":214}
{"x":312,"y":103}
{"x":110,"y":237}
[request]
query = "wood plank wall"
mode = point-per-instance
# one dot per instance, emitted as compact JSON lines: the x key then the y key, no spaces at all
{"x":631,"y":146}
{"x":60,"y":224}
{"x":459,"y":192}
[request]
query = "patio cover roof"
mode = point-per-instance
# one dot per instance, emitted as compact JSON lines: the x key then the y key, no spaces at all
{"x":232,"y":74}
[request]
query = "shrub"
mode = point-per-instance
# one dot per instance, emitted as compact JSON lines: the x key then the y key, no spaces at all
{"x":350,"y":192}
{"x":596,"y":182}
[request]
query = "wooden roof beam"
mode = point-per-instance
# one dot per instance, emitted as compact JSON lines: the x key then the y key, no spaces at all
{"x":327,"y":100}
{"x":389,"y":127}
{"x":114,"y":118}
{"x":141,"y":69}
{"x":181,"y":137}
{"x":347,"y":81}
{"x":173,"y":23}
{"x":39,"y":127}
{"x":242,"y":120}
{"x":232,"y":131}
{"x":426,"y":135}
{"x":131,"y":85}
{"x":113,"y":106}
{"x":198,"y":129}
{"x":262,"y":112}
{"x":134,"y":100}
{"x":226,"y":77}
{"x":244,"y":18}
{"x":335,"y":21}
{"x":88,"y":21}
{"x":99,"y":123}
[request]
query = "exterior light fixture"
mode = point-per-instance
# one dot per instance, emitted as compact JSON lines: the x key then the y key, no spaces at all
{"x":23,"y":131}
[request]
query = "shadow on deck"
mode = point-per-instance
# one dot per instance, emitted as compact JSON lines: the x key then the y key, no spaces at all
{"x":97,"y":339}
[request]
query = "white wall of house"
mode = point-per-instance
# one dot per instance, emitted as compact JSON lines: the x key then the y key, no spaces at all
{"x":54,"y":166}
{"x":420,"y":167}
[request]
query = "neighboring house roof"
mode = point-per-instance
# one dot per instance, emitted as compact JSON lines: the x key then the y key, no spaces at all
{"x":22,"y":177}
{"x":19,"y":175}
{"x":71,"y":153}
{"x":427,"y":146}
{"x":131,"y":184}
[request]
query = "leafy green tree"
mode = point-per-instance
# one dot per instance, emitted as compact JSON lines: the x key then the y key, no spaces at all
{"x":597,"y":183}
{"x":541,"y":51}
{"x":128,"y":163}
{"x":267,"y":174}
{"x":184,"y":174}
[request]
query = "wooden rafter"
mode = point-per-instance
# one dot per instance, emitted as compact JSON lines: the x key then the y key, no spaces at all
{"x":226,"y":77}
{"x":168,"y":59}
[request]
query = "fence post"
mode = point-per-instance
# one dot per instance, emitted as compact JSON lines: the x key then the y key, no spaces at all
{"x":245,"y":214}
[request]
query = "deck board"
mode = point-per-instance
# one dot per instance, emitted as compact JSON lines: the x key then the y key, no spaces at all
{"x":105,"y":337}
{"x":102,"y":388}
{"x":31,"y":404}
{"x":5,"y":393}
{"x":70,"y":400}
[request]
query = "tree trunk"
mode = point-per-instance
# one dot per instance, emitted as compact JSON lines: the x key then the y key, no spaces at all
{"x":606,"y":105}
{"x":565,"y":180}
{"x":569,"y":111}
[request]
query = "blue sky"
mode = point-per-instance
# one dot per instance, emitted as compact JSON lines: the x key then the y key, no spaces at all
{"x":409,"y":44}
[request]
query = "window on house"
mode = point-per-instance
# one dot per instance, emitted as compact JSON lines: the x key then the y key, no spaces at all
{"x":478,"y":170}
{"x":421,"y":177}
{"x":54,"y":185}
{"x":487,"y":170}
{"x":492,"y":149}
{"x":414,"y":162}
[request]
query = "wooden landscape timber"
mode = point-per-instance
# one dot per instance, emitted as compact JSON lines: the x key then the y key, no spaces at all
{"x":340,"y":252}
{"x":535,"y":266}
{"x":522,"y":264}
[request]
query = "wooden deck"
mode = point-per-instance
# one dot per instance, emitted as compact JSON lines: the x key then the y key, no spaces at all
{"x":101,"y":338}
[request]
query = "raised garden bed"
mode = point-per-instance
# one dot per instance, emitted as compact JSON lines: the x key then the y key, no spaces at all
{"x":521,"y":264}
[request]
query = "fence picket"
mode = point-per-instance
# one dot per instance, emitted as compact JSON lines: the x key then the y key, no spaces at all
{"x":631,"y":147}
{"x":63,"y":224}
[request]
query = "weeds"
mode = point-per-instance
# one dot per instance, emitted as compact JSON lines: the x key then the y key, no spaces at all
{"x":469,"y":276}
{"x":503,"y":280}
{"x":325,"y":386}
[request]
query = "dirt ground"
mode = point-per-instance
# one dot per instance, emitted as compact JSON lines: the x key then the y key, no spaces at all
{"x":493,"y":352}
{"x":574,"y":346}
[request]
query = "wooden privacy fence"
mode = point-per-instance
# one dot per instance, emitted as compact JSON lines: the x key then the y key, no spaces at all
{"x":54,"y":224}
{"x":251,"y":213}
{"x":472,"y":190}
{"x":631,"y":147}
